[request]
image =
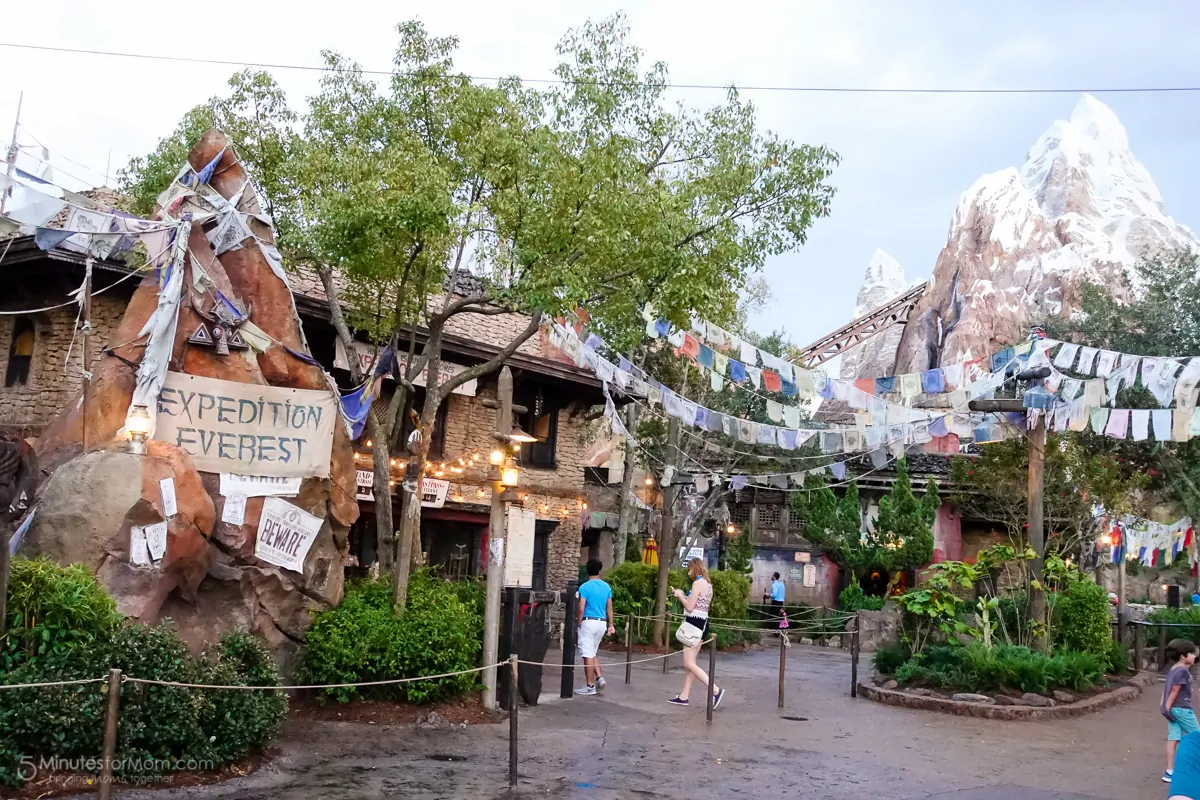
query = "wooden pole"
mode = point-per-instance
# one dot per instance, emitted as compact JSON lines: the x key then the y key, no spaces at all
{"x":1037,"y":537}
{"x":86,"y":340}
{"x":629,"y":648}
{"x":570,"y":642}
{"x":1138,"y":645}
{"x":495,"y":568}
{"x":12,"y":151}
{"x":783,"y":644}
{"x":854,"y":658}
{"x":1122,"y":609}
{"x":110,"y":733}
{"x":712,"y":677}
{"x":666,"y":642}
{"x":513,"y":703}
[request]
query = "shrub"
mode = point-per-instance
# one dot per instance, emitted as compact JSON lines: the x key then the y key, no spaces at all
{"x":976,"y":668}
{"x":1083,"y":618}
{"x":888,"y":659}
{"x":53,"y":611}
{"x":1178,"y":616}
{"x":852,"y":598}
{"x":1117,"y":658}
{"x":363,"y":640}
{"x":238,"y":722}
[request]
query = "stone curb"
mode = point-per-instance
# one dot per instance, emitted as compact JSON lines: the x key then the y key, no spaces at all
{"x":1120,"y":695}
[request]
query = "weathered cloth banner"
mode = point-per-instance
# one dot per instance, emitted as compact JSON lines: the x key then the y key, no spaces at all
{"x":246,"y":428}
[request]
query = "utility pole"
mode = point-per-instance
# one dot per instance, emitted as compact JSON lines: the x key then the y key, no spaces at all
{"x":666,"y":538}
{"x":12,"y":153}
{"x":625,"y":527}
{"x":496,"y":524}
{"x":86,"y":300}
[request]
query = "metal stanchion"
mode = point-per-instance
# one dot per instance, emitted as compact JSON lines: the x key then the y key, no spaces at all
{"x":783,"y":645}
{"x":513,"y":703}
{"x":712,"y":677}
{"x":629,"y":648}
{"x":570,"y":642}
{"x":108,"y":754}
{"x":854,"y":657}
{"x":1139,"y":635}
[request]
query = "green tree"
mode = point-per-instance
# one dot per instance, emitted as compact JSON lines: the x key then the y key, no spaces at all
{"x":904,"y":528}
{"x":592,"y":194}
{"x":739,"y":553}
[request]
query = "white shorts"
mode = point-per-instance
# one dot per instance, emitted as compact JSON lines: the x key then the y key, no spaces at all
{"x":591,"y":631}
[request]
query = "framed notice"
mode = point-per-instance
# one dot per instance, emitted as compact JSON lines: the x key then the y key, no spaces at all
{"x":285,"y":534}
{"x":518,"y":564}
{"x":433,"y":490}
{"x":810,"y":575}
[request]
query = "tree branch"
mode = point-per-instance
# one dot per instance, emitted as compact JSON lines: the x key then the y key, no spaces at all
{"x":479,"y":370}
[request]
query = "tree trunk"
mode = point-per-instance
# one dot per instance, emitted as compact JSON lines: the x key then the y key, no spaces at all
{"x":382,"y":491}
{"x":410,"y":521}
{"x":628,"y":510}
{"x":666,"y":544}
{"x":1037,"y":538}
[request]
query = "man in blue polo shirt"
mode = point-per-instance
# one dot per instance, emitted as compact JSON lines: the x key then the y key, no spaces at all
{"x":595,"y":619}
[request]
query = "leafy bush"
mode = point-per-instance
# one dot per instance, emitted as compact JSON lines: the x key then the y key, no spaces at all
{"x":238,"y":722}
{"x":1083,"y":618}
{"x":1117,"y":658}
{"x":739,"y":552}
{"x":53,"y":611}
{"x":976,"y":668}
{"x":888,"y":659}
{"x":852,"y":598}
{"x":363,"y":640}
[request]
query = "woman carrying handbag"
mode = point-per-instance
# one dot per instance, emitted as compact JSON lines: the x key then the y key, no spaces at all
{"x":693,"y":630}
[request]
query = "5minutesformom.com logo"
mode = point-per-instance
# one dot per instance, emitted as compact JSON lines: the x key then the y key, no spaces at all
{"x":85,"y":770}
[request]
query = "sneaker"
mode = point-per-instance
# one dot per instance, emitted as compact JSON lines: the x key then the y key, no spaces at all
{"x":678,"y":701}
{"x":600,"y":684}
{"x":717,"y":698}
{"x":586,"y":690}
{"x":1167,"y":776}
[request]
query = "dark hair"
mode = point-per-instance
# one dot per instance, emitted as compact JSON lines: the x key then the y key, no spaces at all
{"x":1178,"y":648}
{"x":594,"y":566}
{"x":775,"y":577}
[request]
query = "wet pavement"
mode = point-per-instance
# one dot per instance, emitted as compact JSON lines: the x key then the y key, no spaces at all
{"x":628,"y":743}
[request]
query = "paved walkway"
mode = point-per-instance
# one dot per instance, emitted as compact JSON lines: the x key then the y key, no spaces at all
{"x":628,"y":743}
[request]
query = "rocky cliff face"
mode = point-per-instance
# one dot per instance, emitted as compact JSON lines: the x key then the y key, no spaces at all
{"x":883,"y":281}
{"x":1022,"y":241}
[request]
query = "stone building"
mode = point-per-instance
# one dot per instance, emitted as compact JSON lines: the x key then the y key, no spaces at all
{"x":41,"y":361}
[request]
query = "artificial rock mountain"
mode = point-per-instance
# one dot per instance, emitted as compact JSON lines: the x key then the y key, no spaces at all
{"x":1022,"y":241}
{"x":876,"y":356}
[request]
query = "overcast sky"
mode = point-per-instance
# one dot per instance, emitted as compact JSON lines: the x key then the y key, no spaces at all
{"x":905,"y":158}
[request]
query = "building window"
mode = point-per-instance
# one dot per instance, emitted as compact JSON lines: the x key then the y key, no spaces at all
{"x":20,"y":353}
{"x":595,"y":476}
{"x":541,"y":420}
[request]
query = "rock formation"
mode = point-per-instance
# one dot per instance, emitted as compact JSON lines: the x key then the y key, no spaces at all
{"x":876,"y":356}
{"x":1021,"y":242}
{"x":209,"y":580}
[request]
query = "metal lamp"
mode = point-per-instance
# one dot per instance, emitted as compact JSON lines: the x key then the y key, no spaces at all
{"x":510,"y":473}
{"x":137,"y":424}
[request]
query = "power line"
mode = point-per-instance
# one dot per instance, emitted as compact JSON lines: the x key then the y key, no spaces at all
{"x":721,"y":87}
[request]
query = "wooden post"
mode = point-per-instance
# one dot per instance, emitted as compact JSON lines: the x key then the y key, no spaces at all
{"x":108,"y":754}
{"x":1162,"y":648}
{"x":86,"y":345}
{"x":783,"y":643}
{"x":627,"y":509}
{"x":495,"y":568}
{"x":1138,"y":645}
{"x":1122,"y":609}
{"x":666,"y":643}
{"x":629,"y":648}
{"x":12,"y":150}
{"x":513,"y":703}
{"x":712,"y":677}
{"x":570,"y":642}
{"x":854,"y":658}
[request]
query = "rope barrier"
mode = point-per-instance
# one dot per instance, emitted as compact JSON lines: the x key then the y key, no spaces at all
{"x":613,"y":663}
{"x":126,"y":678}
{"x":51,"y":683}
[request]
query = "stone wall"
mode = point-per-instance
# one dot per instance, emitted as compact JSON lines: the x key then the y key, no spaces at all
{"x":556,"y":494}
{"x":53,"y":380}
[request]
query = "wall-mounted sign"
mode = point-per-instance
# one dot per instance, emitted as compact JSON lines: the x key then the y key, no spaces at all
{"x":433,"y":490}
{"x":365,"y":355}
{"x":246,"y":428}
{"x":518,"y":562}
{"x":810,"y":575}
{"x":259,"y":485}
{"x":802,"y":557}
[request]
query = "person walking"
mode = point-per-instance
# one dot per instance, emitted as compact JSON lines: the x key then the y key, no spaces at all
{"x":595,"y":620}
{"x":695,"y":611}
{"x":1177,"y":699}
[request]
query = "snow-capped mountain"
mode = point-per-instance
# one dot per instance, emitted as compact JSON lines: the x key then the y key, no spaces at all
{"x":883,"y":281}
{"x":1021,"y":241}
